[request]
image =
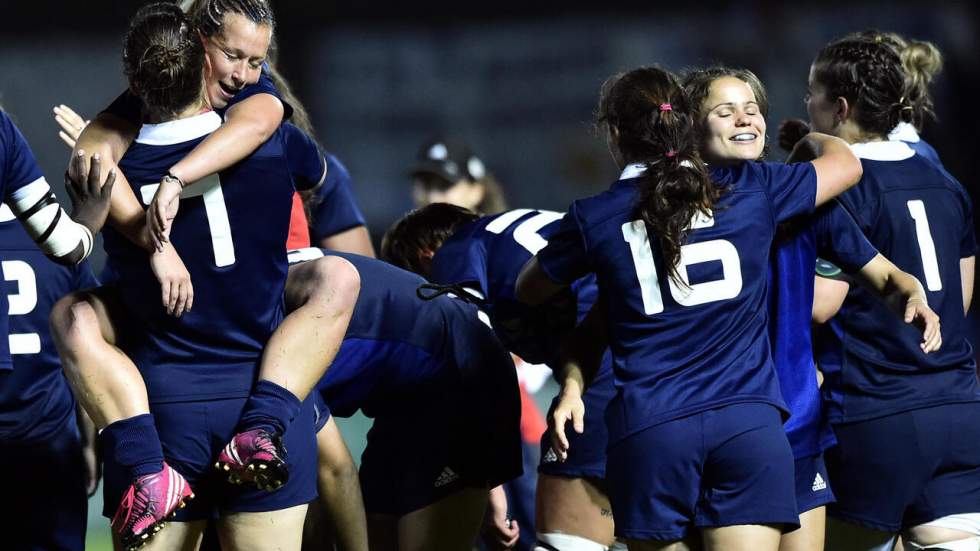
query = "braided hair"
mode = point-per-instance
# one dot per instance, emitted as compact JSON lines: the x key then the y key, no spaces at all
{"x":163,"y":60}
{"x":209,"y":15}
{"x":648,"y":113}
{"x":869,"y":74}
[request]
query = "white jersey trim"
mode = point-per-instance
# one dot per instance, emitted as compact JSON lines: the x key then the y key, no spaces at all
{"x":179,"y":131}
{"x":633,"y":171}
{"x":904,"y":132}
{"x":883,"y":151}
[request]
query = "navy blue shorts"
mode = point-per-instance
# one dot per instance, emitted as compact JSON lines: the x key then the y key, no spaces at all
{"x":587,"y":451}
{"x":45,"y":505}
{"x":721,"y":467}
{"x":905,"y":469}
{"x":429,"y":444}
{"x":812,"y":483}
{"x":192,"y":434}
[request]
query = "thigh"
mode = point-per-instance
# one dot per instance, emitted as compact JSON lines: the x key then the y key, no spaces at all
{"x":382,"y":532}
{"x":749,"y":471}
{"x":179,"y":536}
{"x":955,"y":484}
{"x":810,"y":536}
{"x":741,"y":538}
{"x":450,"y":524}
{"x":575,"y":506}
{"x":282,"y":529}
{"x":878,"y":467}
{"x":653,"y":479}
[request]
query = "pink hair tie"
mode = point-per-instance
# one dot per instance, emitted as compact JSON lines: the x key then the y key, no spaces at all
{"x":671,"y":154}
{"x":666,"y":107}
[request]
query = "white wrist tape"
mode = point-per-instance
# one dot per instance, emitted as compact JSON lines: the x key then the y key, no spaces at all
{"x":55,"y":233}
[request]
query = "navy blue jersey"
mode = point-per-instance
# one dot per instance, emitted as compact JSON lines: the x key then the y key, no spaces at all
{"x":680,"y":348}
{"x":35,"y":400}
{"x":398,"y":344}
{"x":922,"y":220}
{"x":487,"y":256}
{"x":18,"y":167}
{"x":833,"y":234}
{"x":304,"y":157}
{"x":230,"y":232}
{"x":334,"y":210}
{"x":907,"y":133}
{"x":129,"y":106}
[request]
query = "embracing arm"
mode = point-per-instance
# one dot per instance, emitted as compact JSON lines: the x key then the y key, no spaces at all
{"x":967,"y":267}
{"x":892,"y":284}
{"x":836,"y":165}
{"x":355,"y":240}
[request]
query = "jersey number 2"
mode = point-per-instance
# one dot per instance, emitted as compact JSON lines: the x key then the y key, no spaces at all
{"x":22,"y":302}
{"x":685,"y":294}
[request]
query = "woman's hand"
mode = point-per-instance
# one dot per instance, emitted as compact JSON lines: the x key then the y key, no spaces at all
{"x":791,"y":131}
{"x":918,"y":312}
{"x":499,"y":530}
{"x":176,"y":289}
{"x":570,"y":407}
{"x":71,"y":124}
{"x":162,"y":210}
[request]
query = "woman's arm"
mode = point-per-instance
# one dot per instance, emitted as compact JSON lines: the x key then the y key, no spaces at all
{"x":354,"y":240}
{"x":340,"y":489}
{"x":828,"y":297}
{"x":248,"y":124}
{"x":836,"y":165}
{"x":901,"y":287}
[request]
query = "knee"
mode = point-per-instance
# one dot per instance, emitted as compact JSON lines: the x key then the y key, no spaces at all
{"x":336,"y":284}
{"x":73,"y":320}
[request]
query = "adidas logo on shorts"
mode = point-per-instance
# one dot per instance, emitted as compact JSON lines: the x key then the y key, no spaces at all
{"x":550,"y":456}
{"x":819,"y":483}
{"x":447,"y":476}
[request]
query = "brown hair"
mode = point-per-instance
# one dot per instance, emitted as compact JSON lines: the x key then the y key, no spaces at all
{"x":163,"y":60}
{"x":697,"y":85}
{"x":424,"y":229}
{"x":651,"y":116}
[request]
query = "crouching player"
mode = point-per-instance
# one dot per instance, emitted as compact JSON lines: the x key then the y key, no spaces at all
{"x":443,"y":394}
{"x":452,"y":245}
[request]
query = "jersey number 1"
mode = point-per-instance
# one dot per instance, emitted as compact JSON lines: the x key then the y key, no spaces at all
{"x":217,"y":214}
{"x":683,"y":292}
{"x":927,"y":247}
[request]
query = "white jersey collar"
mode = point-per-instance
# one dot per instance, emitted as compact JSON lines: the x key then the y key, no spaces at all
{"x":883,"y":151}
{"x":633,"y":171}
{"x":904,"y":132}
{"x":179,"y":131}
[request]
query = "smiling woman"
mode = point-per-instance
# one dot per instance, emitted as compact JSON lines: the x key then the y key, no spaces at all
{"x":731,"y":106}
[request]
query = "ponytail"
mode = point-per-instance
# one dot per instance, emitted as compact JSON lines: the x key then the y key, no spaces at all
{"x":649,"y":117}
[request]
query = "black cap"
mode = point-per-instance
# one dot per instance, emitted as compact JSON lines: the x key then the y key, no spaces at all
{"x":449,"y":158}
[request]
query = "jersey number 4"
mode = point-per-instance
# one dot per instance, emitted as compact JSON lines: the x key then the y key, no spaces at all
{"x":683,"y":292}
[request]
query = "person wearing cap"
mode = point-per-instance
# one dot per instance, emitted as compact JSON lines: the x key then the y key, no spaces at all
{"x":448,"y":171}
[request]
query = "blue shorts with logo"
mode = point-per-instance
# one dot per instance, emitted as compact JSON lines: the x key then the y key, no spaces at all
{"x":46,"y":505}
{"x":586,"y":451}
{"x":192,"y":434}
{"x":430,"y":443}
{"x":725,"y":466}
{"x":812,"y":483}
{"x":907,"y":468}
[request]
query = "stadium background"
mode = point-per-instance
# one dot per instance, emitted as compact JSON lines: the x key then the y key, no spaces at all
{"x":517,"y":79}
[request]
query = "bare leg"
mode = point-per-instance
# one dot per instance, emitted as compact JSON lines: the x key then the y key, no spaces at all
{"x":745,"y":537}
{"x":105,"y":380}
{"x":810,"y":536}
{"x":845,"y":536}
{"x":574,"y":506}
{"x":450,"y":524}
{"x":179,"y":536}
{"x":281,"y":530}
{"x":321,"y":295}
{"x":340,"y":502}
{"x":925,"y":535}
{"x":647,"y":545}
{"x":382,"y":532}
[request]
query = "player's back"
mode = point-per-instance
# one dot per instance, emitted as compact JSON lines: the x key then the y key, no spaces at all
{"x":35,"y":400}
{"x":921,"y":219}
{"x":397,"y":343}
{"x":230,"y":232}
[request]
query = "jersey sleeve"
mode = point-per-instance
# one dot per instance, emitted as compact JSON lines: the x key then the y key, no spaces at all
{"x":840,"y":240}
{"x":565,"y":258}
{"x":792,"y":188}
{"x":18,"y":167}
{"x":306,"y":163}
{"x":336,"y":209}
{"x":968,"y":241}
{"x":263,"y":86}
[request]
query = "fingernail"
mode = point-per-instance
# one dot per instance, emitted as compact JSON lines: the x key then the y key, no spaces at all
{"x":96,"y":157}
{"x":81,"y":153}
